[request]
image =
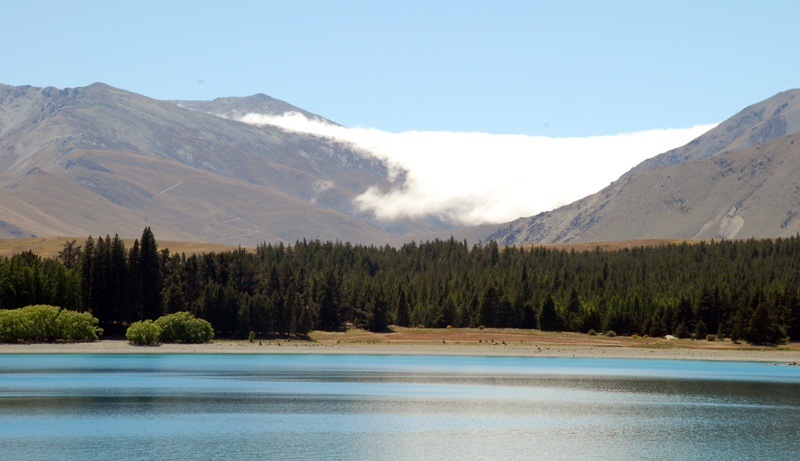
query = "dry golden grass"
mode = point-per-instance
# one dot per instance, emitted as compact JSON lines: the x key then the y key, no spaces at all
{"x":48,"y":247}
{"x":511,"y":336}
{"x":609,"y":246}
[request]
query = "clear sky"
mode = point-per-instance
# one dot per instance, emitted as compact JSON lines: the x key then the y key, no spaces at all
{"x":554,"y":68}
{"x":539,"y":103}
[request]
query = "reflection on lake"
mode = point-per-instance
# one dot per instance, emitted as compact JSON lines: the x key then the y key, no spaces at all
{"x":390,"y":407}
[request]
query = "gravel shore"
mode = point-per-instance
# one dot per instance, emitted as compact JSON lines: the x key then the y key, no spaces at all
{"x":781,"y":355}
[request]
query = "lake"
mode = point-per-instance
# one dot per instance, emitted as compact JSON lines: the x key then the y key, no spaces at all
{"x":394,"y":407}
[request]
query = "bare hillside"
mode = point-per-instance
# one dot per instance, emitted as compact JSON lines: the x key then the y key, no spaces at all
{"x":738,"y":180}
{"x":752,"y":192}
{"x":98,"y":159}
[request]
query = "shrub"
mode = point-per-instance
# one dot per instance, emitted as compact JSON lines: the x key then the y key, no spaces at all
{"x":78,"y":326}
{"x":592,"y":332}
{"x":10,"y":326}
{"x":173,"y":326}
{"x":611,"y":333}
{"x":47,"y":323}
{"x":177,"y":327}
{"x":198,"y":331}
{"x":144,"y":332}
{"x":41,"y":322}
{"x":711,"y":337}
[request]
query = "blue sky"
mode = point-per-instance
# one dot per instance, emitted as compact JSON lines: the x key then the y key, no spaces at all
{"x":516,"y":67}
{"x":528,"y":105}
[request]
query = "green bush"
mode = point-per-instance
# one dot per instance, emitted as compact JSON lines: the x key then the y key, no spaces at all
{"x":177,"y":327}
{"x":143,"y":333}
{"x":47,"y":323}
{"x":42,"y":322}
{"x":78,"y":326}
{"x":173,"y":326}
{"x":611,"y":333}
{"x":198,"y":331}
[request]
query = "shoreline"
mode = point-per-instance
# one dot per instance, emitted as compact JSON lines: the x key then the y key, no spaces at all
{"x":122,"y":347}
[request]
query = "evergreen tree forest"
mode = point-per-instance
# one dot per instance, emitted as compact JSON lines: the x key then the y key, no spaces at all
{"x":742,"y":289}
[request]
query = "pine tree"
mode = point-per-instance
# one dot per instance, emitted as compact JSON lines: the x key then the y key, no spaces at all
{"x":304,"y":324}
{"x":329,"y":303}
{"x":760,"y":327}
{"x":657,"y":328}
{"x":401,"y":313}
{"x":100,"y":303}
{"x":573,"y":312}
{"x":118,"y":284}
{"x":173,"y":300}
{"x":681,"y":331}
{"x":135,"y":285}
{"x":150,"y":276}
{"x":281,"y":313}
{"x":489,"y":306}
{"x":70,"y":254}
{"x":377,"y":317}
{"x":548,"y":317}
{"x":87,"y":273}
{"x":244,"y":318}
{"x":700,"y":330}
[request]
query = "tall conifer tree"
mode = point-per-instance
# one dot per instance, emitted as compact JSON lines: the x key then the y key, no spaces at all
{"x":87,"y":273}
{"x":150,"y":276}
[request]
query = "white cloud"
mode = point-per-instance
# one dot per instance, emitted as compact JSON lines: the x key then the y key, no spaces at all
{"x":474,"y":178}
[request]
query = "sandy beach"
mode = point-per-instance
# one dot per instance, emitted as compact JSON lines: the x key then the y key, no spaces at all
{"x":746,"y":353}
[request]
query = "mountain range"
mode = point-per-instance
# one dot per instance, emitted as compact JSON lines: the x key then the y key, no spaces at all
{"x":99,"y":160}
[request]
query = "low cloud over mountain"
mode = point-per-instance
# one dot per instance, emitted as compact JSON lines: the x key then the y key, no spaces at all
{"x":476,"y":178}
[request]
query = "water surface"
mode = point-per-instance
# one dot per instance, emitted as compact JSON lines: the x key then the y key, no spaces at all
{"x":394,"y":407}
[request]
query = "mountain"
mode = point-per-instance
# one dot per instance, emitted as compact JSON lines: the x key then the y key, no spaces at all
{"x":98,"y":159}
{"x":237,"y":107}
{"x":739,"y":180}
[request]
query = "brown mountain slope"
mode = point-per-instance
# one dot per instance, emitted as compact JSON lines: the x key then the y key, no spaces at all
{"x":752,"y":192}
{"x":98,"y":159}
{"x":770,"y":119}
{"x":38,"y":125}
{"x":120,"y":194}
{"x":696,"y":195}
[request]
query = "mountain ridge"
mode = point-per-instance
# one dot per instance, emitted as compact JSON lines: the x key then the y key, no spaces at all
{"x":95,"y":159}
{"x":687,"y":192}
{"x":748,"y":127}
{"x":79,"y":134}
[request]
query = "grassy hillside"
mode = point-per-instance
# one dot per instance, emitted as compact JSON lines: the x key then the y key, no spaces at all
{"x":48,"y":247}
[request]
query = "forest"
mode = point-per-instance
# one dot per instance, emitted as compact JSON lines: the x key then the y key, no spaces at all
{"x":741,"y":289}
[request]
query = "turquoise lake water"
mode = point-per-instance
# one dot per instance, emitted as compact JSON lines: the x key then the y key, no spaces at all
{"x":393,"y":407}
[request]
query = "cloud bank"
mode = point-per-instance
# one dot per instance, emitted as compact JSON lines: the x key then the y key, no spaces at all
{"x":476,"y":178}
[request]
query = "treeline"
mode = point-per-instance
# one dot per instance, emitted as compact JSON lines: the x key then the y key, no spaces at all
{"x":745,"y":289}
